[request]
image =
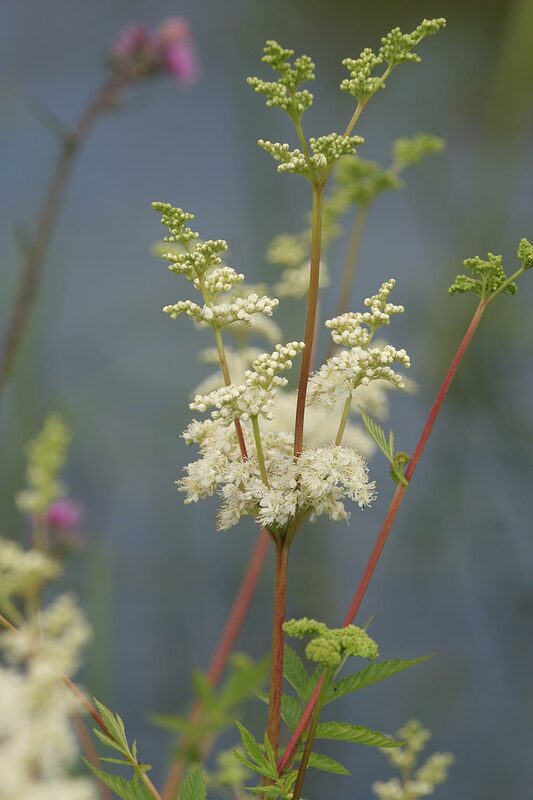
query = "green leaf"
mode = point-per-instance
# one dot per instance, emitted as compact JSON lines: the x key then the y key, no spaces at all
{"x":378,"y":435}
{"x":291,"y":708}
{"x":116,"y":732}
{"x":172,"y":722}
{"x":374,"y":673}
{"x":242,"y":682}
{"x":126,"y":790}
{"x":295,"y":673}
{"x":203,"y":688}
{"x":327,"y":764}
{"x":194,"y":787}
{"x":357,"y":734}
{"x":260,"y":762}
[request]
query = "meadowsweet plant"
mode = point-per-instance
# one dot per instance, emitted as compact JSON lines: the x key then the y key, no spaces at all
{"x":256,"y":447}
{"x":280,"y":434}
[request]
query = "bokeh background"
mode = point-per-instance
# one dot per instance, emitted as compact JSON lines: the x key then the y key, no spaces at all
{"x":156,"y":580}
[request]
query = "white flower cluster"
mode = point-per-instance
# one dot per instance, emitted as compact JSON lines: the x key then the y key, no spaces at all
{"x":255,"y":396}
{"x":356,"y":328}
{"x":193,"y":264}
{"x":341,"y":375}
{"x":316,"y":484}
{"x":415,"y":783}
{"x":344,"y":373}
{"x":326,"y":150}
{"x":38,"y":748}
{"x":221,"y":314}
{"x":201,"y":265}
{"x":22,"y":571}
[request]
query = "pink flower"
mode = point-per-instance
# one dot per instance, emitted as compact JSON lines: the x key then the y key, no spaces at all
{"x":64,"y":515}
{"x":173,"y":41}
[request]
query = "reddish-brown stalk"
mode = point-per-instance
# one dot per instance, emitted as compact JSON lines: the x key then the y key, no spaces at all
{"x":395,"y":504}
{"x":32,"y":267}
{"x":276,"y":679}
{"x":310,"y":321}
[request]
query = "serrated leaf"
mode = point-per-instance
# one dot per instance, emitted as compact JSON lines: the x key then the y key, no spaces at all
{"x":295,"y":672}
{"x":126,"y":790}
{"x":327,"y":764}
{"x":374,"y":673}
{"x":194,"y":787}
{"x":255,"y":752}
{"x":291,"y":708}
{"x":378,"y":435}
{"x":116,"y":731}
{"x":357,"y":734}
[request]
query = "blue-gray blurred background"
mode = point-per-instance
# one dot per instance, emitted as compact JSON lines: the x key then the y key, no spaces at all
{"x":157,"y":581}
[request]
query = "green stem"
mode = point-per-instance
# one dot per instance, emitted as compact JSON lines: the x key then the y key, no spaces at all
{"x":310,"y":322}
{"x":350,"y":263}
{"x":344,"y":420}
{"x":259,"y":449}
{"x":308,"y":749}
{"x":227,"y":380}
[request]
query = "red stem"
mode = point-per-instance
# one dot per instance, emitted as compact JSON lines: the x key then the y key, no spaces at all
{"x":276,"y":678}
{"x":395,"y":504}
{"x":310,"y":320}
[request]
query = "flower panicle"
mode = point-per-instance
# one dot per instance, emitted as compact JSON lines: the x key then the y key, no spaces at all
{"x":201,"y":263}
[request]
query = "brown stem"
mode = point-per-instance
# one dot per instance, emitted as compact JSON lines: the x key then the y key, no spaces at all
{"x":310,"y":322}
{"x":276,"y":677}
{"x":225,"y":645}
{"x":395,"y":504}
{"x":32,"y":267}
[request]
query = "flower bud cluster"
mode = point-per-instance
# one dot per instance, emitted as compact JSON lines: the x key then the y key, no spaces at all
{"x":221,"y":314}
{"x":284,"y":92}
{"x":201,"y":265}
{"x":357,"y":328}
{"x":331,"y":646}
{"x":46,"y":456}
{"x":325,"y":151}
{"x":342,"y":375}
{"x":487,"y":277}
{"x":255,"y":396}
{"x":411,"y":150}
{"x":396,"y":48}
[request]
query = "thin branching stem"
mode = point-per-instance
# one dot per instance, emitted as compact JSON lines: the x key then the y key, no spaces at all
{"x":33,"y":263}
{"x":392,"y":512}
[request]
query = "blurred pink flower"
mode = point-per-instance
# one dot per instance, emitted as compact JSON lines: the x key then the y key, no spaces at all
{"x":167,"y":49}
{"x":64,"y":515}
